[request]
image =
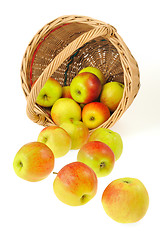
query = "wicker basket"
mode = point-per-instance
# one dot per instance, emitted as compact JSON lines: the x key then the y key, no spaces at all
{"x":66,"y":45}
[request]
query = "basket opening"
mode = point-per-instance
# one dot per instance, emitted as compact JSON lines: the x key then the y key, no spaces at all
{"x":99,"y":53}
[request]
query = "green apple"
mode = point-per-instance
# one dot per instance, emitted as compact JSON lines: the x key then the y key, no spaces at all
{"x":78,"y":132}
{"x":111,"y":95}
{"x":50,"y":92}
{"x":85,"y":87}
{"x":57,"y":139}
{"x":109,"y":137}
{"x":95,"y":71}
{"x":98,"y":156}
{"x":75,"y":184}
{"x":65,"y":109}
{"x":33,"y":162}
{"x":125,"y":200}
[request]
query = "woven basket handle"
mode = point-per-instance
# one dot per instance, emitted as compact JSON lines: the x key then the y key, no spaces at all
{"x":102,"y":30}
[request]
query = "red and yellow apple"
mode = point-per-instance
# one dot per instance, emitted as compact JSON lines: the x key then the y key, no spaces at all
{"x":125,"y":200}
{"x":111,"y":95}
{"x":109,"y":137}
{"x":33,"y":162}
{"x":85,"y":87}
{"x":65,"y":109}
{"x":66,"y":92}
{"x":57,"y":139}
{"x":78,"y":132}
{"x":50,"y":92}
{"x":98,"y":156}
{"x":94,"y":114}
{"x":95,"y":71}
{"x":75,"y":184}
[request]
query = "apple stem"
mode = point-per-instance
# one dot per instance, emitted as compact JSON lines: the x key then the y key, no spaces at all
{"x":55,"y":173}
{"x":126,"y":181}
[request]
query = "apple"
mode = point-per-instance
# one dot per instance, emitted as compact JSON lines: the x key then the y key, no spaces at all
{"x":95,"y":71}
{"x":33,"y":162}
{"x":65,"y":109}
{"x":109,"y":137}
{"x":125,"y":200}
{"x":78,"y":132}
{"x":112,"y":94}
{"x":94,"y":114}
{"x":98,"y":156}
{"x":75,"y":184}
{"x":66,"y":92}
{"x":85,"y":87}
{"x":57,"y":139}
{"x":50,"y":92}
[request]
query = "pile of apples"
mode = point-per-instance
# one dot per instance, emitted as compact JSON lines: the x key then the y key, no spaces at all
{"x":85,"y":104}
{"x":88,"y":98}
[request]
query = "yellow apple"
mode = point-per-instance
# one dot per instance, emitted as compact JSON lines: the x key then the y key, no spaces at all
{"x":75,"y":184}
{"x":109,"y":137}
{"x":57,"y":139}
{"x":111,"y":95}
{"x":51,"y":91}
{"x":65,"y":109}
{"x":78,"y":132}
{"x":98,"y":156}
{"x":94,"y":114}
{"x":33,"y":162}
{"x":125,"y":200}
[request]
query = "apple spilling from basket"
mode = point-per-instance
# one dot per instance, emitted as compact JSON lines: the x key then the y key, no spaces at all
{"x":88,"y":98}
{"x":86,"y":104}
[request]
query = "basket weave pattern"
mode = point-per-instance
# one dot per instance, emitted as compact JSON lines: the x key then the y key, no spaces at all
{"x":66,"y":45}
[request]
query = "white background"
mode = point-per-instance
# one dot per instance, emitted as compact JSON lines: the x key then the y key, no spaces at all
{"x":31,"y":210}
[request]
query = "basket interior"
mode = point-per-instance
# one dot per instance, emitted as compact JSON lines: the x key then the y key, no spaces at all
{"x":98,"y":53}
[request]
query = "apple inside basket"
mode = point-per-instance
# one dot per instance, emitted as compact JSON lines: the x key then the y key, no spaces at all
{"x":66,"y":46}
